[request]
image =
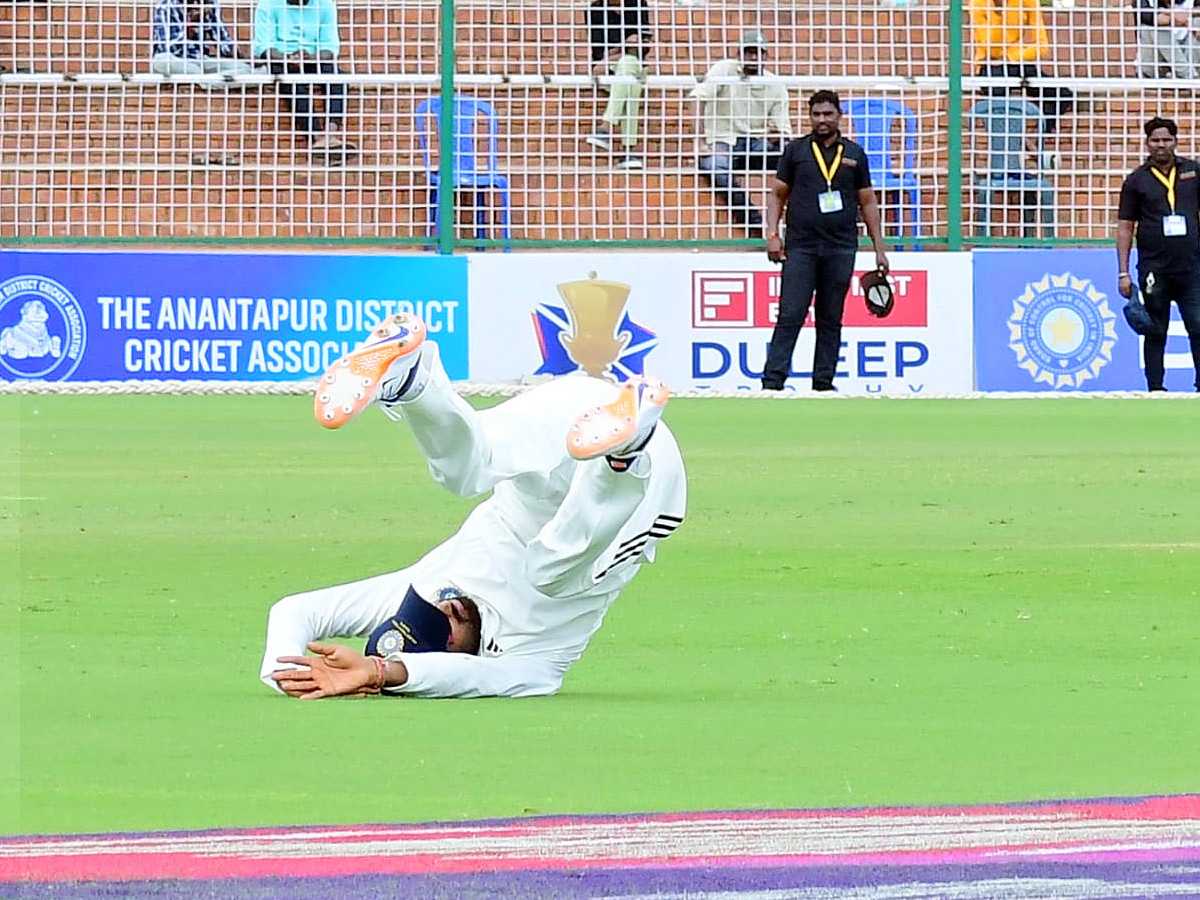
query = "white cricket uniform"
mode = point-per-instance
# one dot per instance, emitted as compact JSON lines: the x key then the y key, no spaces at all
{"x":544,"y":557}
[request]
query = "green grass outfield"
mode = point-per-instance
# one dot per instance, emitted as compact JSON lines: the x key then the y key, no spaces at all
{"x":871,"y":602}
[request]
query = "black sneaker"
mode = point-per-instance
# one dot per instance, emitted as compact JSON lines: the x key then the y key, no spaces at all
{"x":601,"y":140}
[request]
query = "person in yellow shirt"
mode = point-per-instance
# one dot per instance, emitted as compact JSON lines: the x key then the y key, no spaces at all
{"x":1010,"y":37}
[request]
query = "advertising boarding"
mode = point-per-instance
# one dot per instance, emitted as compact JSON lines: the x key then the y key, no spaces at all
{"x":703,"y":321}
{"x":1051,"y":321}
{"x":214,"y":316}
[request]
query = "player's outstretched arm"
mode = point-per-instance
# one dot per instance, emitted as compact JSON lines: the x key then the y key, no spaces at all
{"x":334,"y":670}
{"x":339,"y":611}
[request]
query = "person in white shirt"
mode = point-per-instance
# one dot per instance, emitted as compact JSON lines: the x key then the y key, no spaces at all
{"x":585,"y":480}
{"x":746,"y":122}
{"x":1167,"y":43}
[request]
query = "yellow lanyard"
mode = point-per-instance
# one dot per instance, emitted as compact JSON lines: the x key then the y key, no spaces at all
{"x":829,"y":171}
{"x":1170,"y":184}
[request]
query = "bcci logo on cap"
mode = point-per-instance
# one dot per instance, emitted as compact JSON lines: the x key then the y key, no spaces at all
{"x":42,"y":329}
{"x":1062,"y":331}
{"x":592,"y":332}
{"x":395,"y":639}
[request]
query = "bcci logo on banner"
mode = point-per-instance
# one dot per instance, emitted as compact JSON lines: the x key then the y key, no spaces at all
{"x":42,"y":329}
{"x":1062,"y":331}
{"x":592,"y":332}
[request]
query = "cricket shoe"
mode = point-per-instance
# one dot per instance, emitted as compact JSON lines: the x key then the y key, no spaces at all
{"x":620,"y":428}
{"x":377,"y":369}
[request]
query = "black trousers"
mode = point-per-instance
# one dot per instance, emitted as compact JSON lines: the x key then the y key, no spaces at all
{"x":1053,"y":101}
{"x":1184,"y":290}
{"x":299,"y":97}
{"x":827,"y":275}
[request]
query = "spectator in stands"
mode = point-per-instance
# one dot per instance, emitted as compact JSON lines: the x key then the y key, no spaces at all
{"x":189,"y":38}
{"x":1167,"y":45}
{"x":295,"y":36}
{"x":1010,"y":37}
{"x":745,"y":119}
{"x":624,"y":102}
{"x":610,"y":23}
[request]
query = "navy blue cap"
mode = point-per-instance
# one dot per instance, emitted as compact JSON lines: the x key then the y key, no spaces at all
{"x":416,"y":627}
{"x":1137,"y":316}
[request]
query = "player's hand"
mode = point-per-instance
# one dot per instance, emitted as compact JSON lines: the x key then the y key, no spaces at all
{"x":775,"y":251}
{"x":1125,"y":286}
{"x":881,"y":262}
{"x":333,"y":671}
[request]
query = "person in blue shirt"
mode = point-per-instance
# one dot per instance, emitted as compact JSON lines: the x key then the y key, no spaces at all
{"x":189,"y":38}
{"x":301,"y":36}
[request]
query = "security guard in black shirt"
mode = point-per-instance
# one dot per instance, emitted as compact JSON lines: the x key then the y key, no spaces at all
{"x":1160,"y":201}
{"x":823,"y":180}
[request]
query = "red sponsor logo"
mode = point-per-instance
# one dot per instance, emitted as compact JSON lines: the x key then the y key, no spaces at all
{"x":731,"y":299}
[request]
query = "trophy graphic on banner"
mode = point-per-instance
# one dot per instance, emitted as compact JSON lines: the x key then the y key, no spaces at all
{"x":595,"y":308}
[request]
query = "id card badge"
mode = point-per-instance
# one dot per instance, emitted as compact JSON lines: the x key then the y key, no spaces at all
{"x":831,"y":202}
{"x":1174,"y":226}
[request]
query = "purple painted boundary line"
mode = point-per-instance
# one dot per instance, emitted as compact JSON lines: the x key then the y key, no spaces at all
{"x":1016,"y":881}
{"x":1130,"y":848}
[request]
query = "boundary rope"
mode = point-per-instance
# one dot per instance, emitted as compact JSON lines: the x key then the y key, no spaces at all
{"x":510,"y":389}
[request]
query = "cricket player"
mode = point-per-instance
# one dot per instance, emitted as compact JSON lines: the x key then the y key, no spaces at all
{"x":585,"y":481}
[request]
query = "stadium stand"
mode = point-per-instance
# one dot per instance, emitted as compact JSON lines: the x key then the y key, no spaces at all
{"x":93,"y":146}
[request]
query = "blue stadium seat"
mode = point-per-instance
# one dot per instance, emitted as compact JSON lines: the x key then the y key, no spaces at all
{"x":473,"y":168}
{"x":1006,"y":122}
{"x":872,"y":122}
